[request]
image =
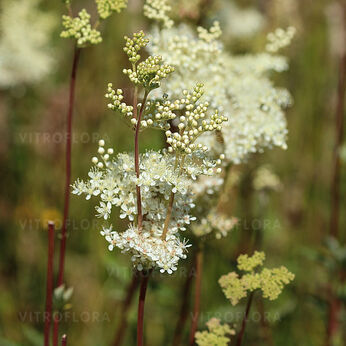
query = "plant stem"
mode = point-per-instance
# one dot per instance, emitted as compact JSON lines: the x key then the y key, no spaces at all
{"x":68,"y":165}
{"x":138,"y":125}
{"x":64,"y":340}
{"x":49,"y":285}
{"x":184,"y":308}
{"x":119,"y":336}
{"x":141,"y":301}
{"x":56,"y":331}
{"x":196,"y":310}
{"x":168,"y":216}
{"x":243,"y":324}
{"x":75,"y":62}
{"x":171,"y":199}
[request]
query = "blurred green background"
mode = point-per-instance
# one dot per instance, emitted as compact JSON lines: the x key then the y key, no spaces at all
{"x":292,"y":223}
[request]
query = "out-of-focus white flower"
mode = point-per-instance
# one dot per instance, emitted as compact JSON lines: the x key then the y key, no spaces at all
{"x":237,"y":86}
{"x":240,"y":22}
{"x":25,"y":50}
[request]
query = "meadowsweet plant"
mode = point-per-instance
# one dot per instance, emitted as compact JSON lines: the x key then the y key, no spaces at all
{"x":84,"y":32}
{"x":164,"y":177}
{"x":152,"y":189}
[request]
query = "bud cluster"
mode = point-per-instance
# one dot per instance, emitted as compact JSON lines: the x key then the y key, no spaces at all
{"x":80,"y":28}
{"x":193,"y":123}
{"x":149,"y":72}
{"x":116,"y":97}
{"x":133,"y":46}
{"x":106,"y":7}
{"x":156,"y":10}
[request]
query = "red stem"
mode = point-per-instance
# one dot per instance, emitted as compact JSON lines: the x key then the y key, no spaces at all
{"x":49,"y":285}
{"x":138,"y":188}
{"x":119,"y":336}
{"x":67,"y":181}
{"x":194,"y":323}
{"x":55,"y":331}
{"x":184,"y":308}
{"x":140,"y":319}
{"x":243,"y":324}
{"x":64,"y":340}
{"x":68,"y":166}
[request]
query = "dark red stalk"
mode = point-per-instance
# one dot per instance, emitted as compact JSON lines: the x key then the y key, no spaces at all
{"x":138,"y":189}
{"x":243,"y":324}
{"x":119,"y":336}
{"x":68,"y":165}
{"x":184,"y":308}
{"x":140,"y":318}
{"x":67,"y":182}
{"x":64,"y":340}
{"x":49,"y":285}
{"x":196,"y":310}
{"x":55,"y":331}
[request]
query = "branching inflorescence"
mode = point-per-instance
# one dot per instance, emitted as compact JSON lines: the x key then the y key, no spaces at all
{"x":156,"y":182}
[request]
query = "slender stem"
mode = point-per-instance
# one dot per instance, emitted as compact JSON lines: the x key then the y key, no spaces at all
{"x":49,"y":285}
{"x":56,"y":331}
{"x":267,"y":334}
{"x":68,"y":165}
{"x":140,"y":318}
{"x":184,"y":307}
{"x":333,"y":318}
{"x":76,"y":56}
{"x":64,"y":340}
{"x":168,"y":216}
{"x":243,"y":324}
{"x":196,"y":310}
{"x":138,"y":188}
{"x":171,"y":199}
{"x":119,"y":336}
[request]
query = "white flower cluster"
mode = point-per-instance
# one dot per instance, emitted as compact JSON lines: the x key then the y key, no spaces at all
{"x":266,"y":179}
{"x":237,"y":86}
{"x":25,"y":49}
{"x":215,"y":222}
{"x":80,"y":28}
{"x":157,"y":10}
{"x":280,"y":38}
{"x":239,"y":22}
{"x":113,"y":182}
{"x":148,"y":251}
